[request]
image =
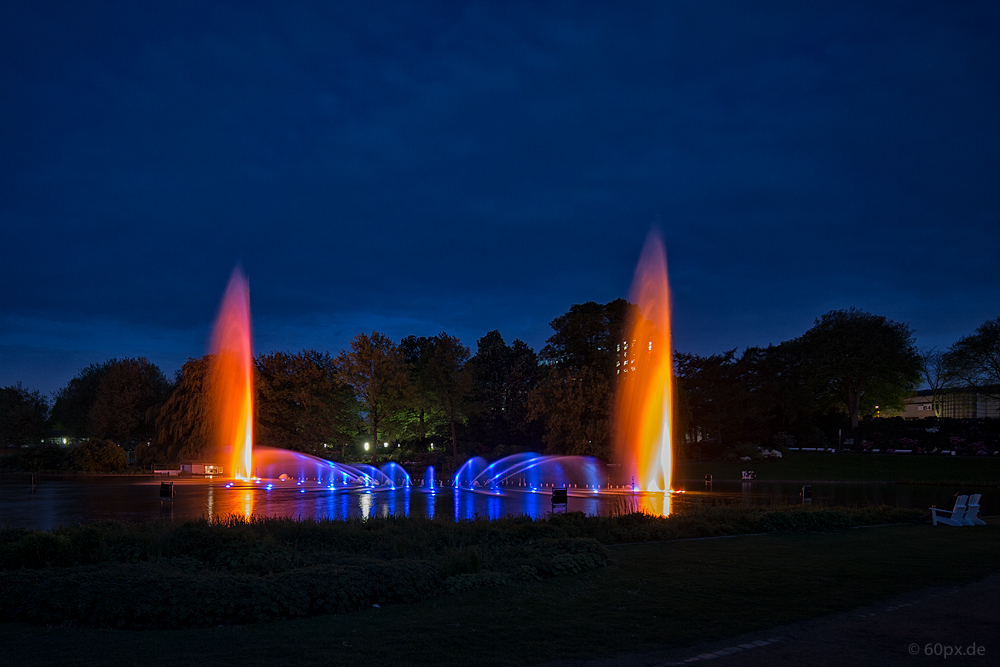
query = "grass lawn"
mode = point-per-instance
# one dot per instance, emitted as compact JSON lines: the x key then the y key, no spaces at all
{"x":825,"y":466}
{"x":656,"y":595}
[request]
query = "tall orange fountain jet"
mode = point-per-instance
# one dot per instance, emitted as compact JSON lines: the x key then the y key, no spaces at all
{"x":231,"y":378}
{"x":644,"y":398}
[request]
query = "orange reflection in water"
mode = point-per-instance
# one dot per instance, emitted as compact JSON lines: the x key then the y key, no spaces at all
{"x":231,"y":385}
{"x":644,"y":400}
{"x":248,"y":503}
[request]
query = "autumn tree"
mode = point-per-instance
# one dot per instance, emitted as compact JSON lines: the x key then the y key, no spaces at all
{"x":860,"y":360}
{"x":375,"y":369}
{"x":301,"y":402}
{"x":22,"y":415}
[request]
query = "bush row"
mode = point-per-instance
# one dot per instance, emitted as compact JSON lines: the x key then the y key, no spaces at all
{"x":196,"y":573}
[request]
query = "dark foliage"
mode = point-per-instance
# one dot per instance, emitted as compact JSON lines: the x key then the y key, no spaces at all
{"x":158,"y":574}
{"x":22,"y":415}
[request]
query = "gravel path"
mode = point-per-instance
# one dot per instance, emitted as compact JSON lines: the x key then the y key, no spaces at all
{"x":929,"y":626}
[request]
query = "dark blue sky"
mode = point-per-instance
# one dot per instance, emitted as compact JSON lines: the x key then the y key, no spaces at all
{"x":413,"y":168}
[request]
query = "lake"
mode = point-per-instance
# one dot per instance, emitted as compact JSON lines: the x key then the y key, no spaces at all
{"x":64,"y":500}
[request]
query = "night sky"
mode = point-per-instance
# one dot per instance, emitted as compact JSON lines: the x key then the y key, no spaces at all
{"x":415,"y":168}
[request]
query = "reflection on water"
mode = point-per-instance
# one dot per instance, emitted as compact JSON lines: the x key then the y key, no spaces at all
{"x":366,"y":504}
{"x":60,"y":501}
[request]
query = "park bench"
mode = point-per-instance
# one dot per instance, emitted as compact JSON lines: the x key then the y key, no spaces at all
{"x":955,"y":515}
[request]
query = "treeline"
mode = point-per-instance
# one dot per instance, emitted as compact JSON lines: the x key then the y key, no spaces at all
{"x":505,"y":397}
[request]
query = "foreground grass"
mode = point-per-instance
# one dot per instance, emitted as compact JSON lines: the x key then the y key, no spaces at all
{"x":825,"y":466}
{"x":656,"y":595}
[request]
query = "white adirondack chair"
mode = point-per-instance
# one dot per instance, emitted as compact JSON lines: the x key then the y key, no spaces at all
{"x":971,"y":517}
{"x":954,"y":517}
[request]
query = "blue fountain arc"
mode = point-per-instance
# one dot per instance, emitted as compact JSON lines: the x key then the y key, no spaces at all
{"x":287,"y":465}
{"x":513,"y":459}
{"x":503,"y":470}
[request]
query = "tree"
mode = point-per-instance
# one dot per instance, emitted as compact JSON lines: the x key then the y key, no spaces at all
{"x":503,"y":377}
{"x":420,"y":416}
{"x":588,"y":335}
{"x":22,"y":415}
{"x":185,"y":422}
{"x":301,"y":403}
{"x":975,"y":359}
{"x":73,"y":402}
{"x":450,"y":380}
{"x":97,"y":456}
{"x":374,"y":367}
{"x":126,"y":392}
{"x":575,"y":406}
{"x":937,"y":375}
{"x":860,"y":360}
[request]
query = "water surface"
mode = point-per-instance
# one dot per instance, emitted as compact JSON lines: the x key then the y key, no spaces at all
{"x":61,"y":500}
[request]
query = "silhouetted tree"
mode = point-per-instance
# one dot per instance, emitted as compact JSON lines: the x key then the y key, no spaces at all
{"x":71,"y":410}
{"x":575,"y":407}
{"x":22,"y":415}
{"x":975,"y":359}
{"x":938,"y":376}
{"x":504,"y":376}
{"x":128,"y":388}
{"x":860,"y":360}
{"x":588,"y":335}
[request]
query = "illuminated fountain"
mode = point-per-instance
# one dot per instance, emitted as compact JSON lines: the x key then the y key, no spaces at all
{"x":643,"y":402}
{"x":642,"y":417}
{"x":641,"y":433}
{"x":231,"y":377}
{"x":531,"y":472}
{"x":230,"y":387}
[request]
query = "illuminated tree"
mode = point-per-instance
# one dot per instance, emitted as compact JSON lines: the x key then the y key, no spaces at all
{"x":375,"y":368}
{"x":450,"y":379}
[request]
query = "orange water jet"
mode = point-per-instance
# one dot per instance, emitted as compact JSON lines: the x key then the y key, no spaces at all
{"x":231,"y":385}
{"x":644,"y":398}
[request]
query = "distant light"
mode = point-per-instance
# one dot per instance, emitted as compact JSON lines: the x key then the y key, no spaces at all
{"x":386,"y":444}
{"x":366,"y":446}
{"x":64,"y":441}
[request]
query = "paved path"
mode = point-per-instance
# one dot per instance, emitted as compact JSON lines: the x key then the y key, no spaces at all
{"x":899,"y":631}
